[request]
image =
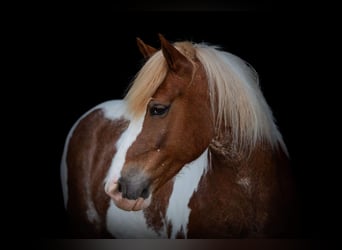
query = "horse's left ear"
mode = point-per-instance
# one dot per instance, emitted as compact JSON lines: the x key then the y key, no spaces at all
{"x":176,"y":61}
{"x":146,"y":50}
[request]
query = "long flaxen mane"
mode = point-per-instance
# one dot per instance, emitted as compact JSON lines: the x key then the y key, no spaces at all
{"x":241,"y":114}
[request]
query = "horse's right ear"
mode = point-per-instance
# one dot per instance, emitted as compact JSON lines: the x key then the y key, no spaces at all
{"x":146,"y":50}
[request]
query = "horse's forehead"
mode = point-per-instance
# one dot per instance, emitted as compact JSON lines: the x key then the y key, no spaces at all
{"x":170,"y":88}
{"x":174,"y":85}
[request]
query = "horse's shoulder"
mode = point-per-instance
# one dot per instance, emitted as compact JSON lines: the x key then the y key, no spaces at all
{"x":107,"y":117}
{"x":91,"y":146}
{"x":97,"y":129}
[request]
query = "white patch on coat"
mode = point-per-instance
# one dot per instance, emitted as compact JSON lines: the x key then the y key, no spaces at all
{"x":185,"y":184}
{"x":245,"y":183}
{"x":92,"y":214}
{"x":129,"y":224}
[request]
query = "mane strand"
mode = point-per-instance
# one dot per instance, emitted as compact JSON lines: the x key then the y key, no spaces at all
{"x":145,"y":84}
{"x":239,"y":105}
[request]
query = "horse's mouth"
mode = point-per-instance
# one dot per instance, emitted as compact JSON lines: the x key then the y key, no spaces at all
{"x":124,"y":203}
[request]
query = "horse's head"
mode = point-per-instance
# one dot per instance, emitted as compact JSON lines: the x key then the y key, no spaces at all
{"x":169,"y":103}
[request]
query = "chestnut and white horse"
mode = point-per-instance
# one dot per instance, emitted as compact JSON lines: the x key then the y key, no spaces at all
{"x":192,"y":151}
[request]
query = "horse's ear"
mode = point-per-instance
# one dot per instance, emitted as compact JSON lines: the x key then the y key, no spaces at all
{"x":146,"y":50}
{"x":176,"y":61}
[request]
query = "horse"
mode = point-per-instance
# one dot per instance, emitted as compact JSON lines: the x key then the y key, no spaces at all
{"x":191,"y":151}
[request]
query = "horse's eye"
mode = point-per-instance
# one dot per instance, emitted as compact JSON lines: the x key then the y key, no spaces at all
{"x":158,"y":110}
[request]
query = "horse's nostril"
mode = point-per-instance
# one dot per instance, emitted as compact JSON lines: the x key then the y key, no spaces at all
{"x":145,"y":193}
{"x":119,"y":187}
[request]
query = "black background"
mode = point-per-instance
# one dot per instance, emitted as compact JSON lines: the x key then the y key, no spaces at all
{"x":78,"y":55}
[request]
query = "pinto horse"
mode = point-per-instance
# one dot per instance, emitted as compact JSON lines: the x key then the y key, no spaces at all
{"x":192,"y":151}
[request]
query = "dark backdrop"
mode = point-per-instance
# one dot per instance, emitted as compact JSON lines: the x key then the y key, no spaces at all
{"x":87,"y":54}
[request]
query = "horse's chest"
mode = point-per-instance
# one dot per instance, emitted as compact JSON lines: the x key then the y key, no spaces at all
{"x":169,"y":213}
{"x":148,"y":223}
{"x":166,"y":217}
{"x":130,"y":224}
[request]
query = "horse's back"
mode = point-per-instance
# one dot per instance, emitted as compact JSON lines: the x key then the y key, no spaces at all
{"x":88,"y":153}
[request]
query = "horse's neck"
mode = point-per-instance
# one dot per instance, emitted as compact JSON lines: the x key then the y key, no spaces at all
{"x":259,"y":183}
{"x":261,"y":163}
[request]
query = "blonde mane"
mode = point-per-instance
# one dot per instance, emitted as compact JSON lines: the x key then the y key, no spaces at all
{"x":237,"y":102}
{"x":145,"y":84}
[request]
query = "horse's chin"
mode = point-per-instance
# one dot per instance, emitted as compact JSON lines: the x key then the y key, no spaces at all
{"x":131,"y":205}
{"x":127,"y":204}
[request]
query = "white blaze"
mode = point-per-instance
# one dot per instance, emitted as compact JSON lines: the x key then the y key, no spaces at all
{"x":120,"y":223}
{"x":122,"y":145}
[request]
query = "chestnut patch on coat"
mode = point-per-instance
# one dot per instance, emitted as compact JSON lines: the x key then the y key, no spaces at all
{"x":90,"y":152}
{"x":155,"y":214}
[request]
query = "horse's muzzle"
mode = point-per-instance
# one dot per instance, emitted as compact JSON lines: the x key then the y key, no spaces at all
{"x":129,"y":197}
{"x":134,"y":187}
